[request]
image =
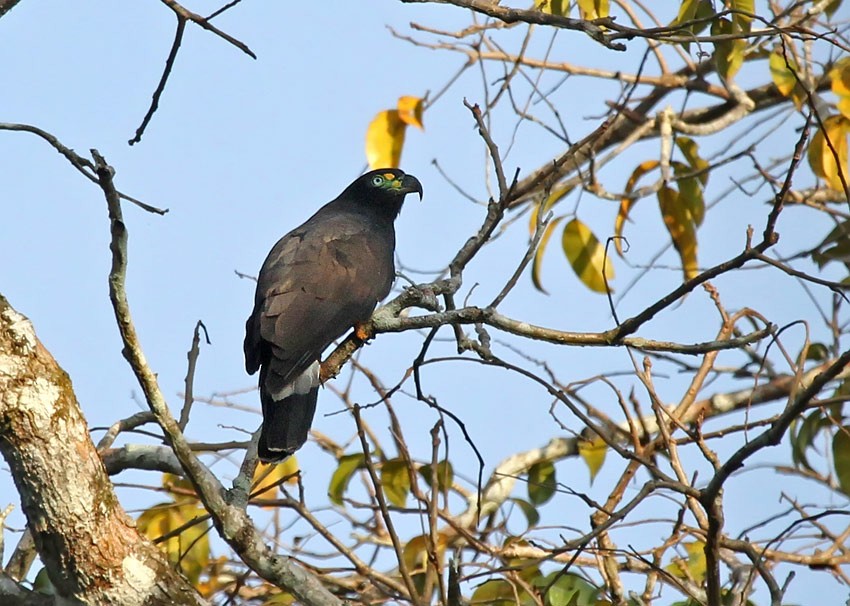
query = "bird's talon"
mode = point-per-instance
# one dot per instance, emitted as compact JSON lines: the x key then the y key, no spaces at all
{"x":363,"y":331}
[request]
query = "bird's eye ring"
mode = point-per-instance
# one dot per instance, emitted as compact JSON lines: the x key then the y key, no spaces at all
{"x":377,"y":180}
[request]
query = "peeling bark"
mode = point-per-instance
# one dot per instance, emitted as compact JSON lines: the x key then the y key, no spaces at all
{"x":90,"y":547}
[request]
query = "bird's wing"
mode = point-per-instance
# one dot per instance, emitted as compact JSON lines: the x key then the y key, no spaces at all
{"x":318,"y":281}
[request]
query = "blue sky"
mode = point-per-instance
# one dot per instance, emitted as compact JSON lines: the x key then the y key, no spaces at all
{"x":241,"y":151}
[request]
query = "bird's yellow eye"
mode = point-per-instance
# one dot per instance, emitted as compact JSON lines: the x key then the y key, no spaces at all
{"x":377,"y":180}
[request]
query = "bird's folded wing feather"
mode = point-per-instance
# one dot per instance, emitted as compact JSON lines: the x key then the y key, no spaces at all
{"x":317,"y":282}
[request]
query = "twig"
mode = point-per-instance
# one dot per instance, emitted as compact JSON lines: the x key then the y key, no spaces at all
{"x":232,"y":523}
{"x":192,"y":355}
{"x":183,"y":16}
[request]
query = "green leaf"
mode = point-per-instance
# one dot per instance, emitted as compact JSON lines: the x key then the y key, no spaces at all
{"x":832,"y":7}
{"x":532,"y":516}
{"x":587,"y":256}
{"x":445,"y":474}
{"x":346,"y":467}
{"x":728,"y":54}
{"x":541,"y":482}
{"x":841,"y":457}
{"x":803,"y":437}
{"x":690,"y":150}
{"x":42,"y":583}
{"x":495,"y":592}
{"x":395,"y":479}
{"x":566,"y":589}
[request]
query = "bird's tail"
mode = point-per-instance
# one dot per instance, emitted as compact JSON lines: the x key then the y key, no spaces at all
{"x":286,"y":423}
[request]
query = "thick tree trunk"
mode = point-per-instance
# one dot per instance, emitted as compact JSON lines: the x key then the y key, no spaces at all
{"x":90,"y":547}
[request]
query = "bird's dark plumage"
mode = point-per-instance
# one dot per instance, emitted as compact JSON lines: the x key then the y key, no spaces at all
{"x":318,"y":281}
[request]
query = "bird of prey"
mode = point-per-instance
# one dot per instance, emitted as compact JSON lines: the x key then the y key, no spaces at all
{"x":319,"y":280}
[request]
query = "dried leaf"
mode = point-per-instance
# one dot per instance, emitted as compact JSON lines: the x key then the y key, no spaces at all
{"x":627,"y":203}
{"x":537,"y":266}
{"x":680,"y":224}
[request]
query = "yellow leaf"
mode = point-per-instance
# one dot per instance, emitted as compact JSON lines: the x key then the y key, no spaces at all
{"x":384,"y":139}
{"x":268,"y":475}
{"x":687,"y":11}
{"x":693,"y":567}
{"x":691,"y":11}
{"x":191,"y":547}
{"x":546,"y":205}
{"x":728,"y":54}
{"x":743,"y":19}
{"x":828,"y":164}
{"x":593,"y":9}
{"x":593,"y":452}
{"x":410,"y":111}
{"x":627,"y":203}
{"x":180,"y":488}
{"x":840,"y":78}
{"x":680,"y":224}
{"x":554,"y":7}
{"x":587,"y":256}
{"x":782,"y":71}
{"x":537,"y":266}
{"x":690,"y":193}
{"x":415,"y":552}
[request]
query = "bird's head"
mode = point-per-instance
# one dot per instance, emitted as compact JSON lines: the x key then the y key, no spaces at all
{"x":383,"y":189}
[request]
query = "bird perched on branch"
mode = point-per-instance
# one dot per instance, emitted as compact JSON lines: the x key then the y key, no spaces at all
{"x":319,"y":280}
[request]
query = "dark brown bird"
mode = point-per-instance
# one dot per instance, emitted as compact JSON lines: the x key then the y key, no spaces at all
{"x":318,"y":281}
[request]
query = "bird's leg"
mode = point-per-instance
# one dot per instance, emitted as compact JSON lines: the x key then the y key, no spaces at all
{"x":363,"y":331}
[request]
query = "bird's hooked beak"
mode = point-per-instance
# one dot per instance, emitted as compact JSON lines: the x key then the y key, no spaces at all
{"x":410,"y":184}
